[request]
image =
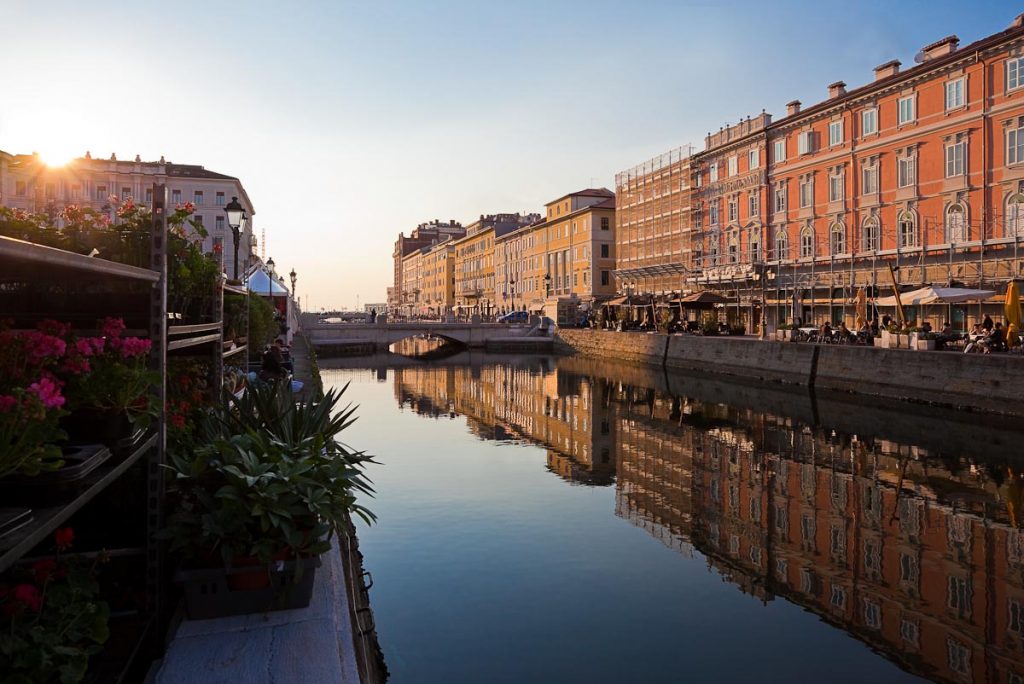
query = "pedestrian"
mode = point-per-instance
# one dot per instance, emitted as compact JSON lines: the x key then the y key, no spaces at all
{"x":987,"y":323}
{"x":373,"y":315}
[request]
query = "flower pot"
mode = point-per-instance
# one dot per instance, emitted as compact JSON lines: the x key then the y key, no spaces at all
{"x":208,"y":593}
{"x":54,"y":486}
{"x":115,"y":430}
{"x":926,"y":345}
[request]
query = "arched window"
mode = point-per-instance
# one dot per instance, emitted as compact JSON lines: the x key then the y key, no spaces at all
{"x":907,"y":229}
{"x":713,"y":249}
{"x":781,"y":244}
{"x":1015,"y":215}
{"x":755,"y":246}
{"x":837,"y":239}
{"x":956,"y":224}
{"x":734,"y":249}
{"x":872,"y":234}
{"x":807,"y":242}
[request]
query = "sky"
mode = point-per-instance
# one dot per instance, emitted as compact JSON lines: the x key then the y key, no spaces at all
{"x":349,"y":122}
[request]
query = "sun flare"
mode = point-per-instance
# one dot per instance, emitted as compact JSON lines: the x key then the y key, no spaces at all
{"x":56,"y":156}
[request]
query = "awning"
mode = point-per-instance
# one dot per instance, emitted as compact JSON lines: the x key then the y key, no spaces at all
{"x":259,"y":281}
{"x":705,"y":298}
{"x":936,"y":295}
{"x":632,"y":300}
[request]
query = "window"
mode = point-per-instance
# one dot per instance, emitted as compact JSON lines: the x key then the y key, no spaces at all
{"x":835,"y":188}
{"x":909,"y":569}
{"x":604,"y":251}
{"x":198,"y":218}
{"x":907,"y":230}
{"x":838,"y":597}
{"x":959,"y":656}
{"x":126,"y":193}
{"x":713,"y":213}
{"x":733,"y":209}
{"x":755,"y":257}
{"x":806,"y":242}
{"x":806,"y":193}
{"x":197,"y":197}
{"x":752,"y":159}
{"x":909,"y":631}
{"x":734,"y":164}
{"x":835,"y":133}
{"x":805,"y":142}
{"x":906,"y":171}
{"x":869,"y":179}
{"x":780,"y":150}
{"x":149,"y":195}
{"x":781,"y":244}
{"x":219,"y":199}
{"x":753,"y":205}
{"x":604,"y":223}
{"x":1015,"y":145}
{"x":837,"y":239}
{"x":76,"y":192}
{"x":713,"y":172}
{"x":906,"y":110}
{"x":176,"y":196}
{"x":101,"y":192}
{"x":604,"y":277}
{"x":872,"y":614}
{"x":956,"y":224}
{"x":869,"y":122}
{"x":734,"y":252}
{"x":1014,"y":73}
{"x":871,"y":233}
{"x":955,"y":158}
{"x":218,"y":244}
{"x":780,"y":198}
{"x":1015,"y":215}
{"x":20,"y":188}
{"x":1016,"y":621}
{"x":955,"y":94}
{"x":220,"y":222}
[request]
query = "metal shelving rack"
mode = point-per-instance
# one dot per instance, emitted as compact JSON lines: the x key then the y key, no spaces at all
{"x":22,"y":261}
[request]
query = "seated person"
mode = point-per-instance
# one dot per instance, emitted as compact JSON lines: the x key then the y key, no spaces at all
{"x":997,"y":340}
{"x":273,"y":367}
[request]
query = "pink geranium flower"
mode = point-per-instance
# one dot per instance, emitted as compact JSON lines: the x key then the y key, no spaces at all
{"x":48,"y":392}
{"x":29,"y":596}
{"x":112,"y":327}
{"x":135,"y":346}
{"x":7,"y":403}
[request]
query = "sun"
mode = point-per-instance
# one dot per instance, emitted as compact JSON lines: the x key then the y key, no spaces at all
{"x":56,"y":156}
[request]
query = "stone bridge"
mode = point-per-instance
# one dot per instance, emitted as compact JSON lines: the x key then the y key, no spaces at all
{"x":381,"y":335}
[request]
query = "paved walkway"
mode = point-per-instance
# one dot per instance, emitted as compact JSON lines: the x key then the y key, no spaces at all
{"x":306,"y":646}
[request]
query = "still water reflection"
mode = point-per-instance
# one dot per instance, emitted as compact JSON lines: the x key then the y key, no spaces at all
{"x":772,"y":535}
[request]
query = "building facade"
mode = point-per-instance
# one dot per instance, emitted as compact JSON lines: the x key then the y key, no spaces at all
{"x":27,"y":183}
{"x":423,"y":235}
{"x":437,"y":280}
{"x":653,"y":223}
{"x":570,"y":253}
{"x":474,"y":271}
{"x":412,"y":283}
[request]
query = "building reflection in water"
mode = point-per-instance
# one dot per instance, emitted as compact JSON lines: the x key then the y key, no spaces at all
{"x":901,"y":528}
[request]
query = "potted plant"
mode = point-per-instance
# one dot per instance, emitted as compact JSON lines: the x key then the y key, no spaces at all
{"x":109,"y":400}
{"x":622,"y":316}
{"x":51,"y":618}
{"x":784,"y":332}
{"x":709,"y":326}
{"x":665,"y":317}
{"x":268,"y":483}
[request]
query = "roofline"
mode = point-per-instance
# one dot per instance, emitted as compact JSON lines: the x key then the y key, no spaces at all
{"x":935,"y":63}
{"x":542,"y":224}
{"x":581,"y":193}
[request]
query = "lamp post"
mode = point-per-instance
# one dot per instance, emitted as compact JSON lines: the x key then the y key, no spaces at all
{"x":512,"y":291}
{"x":293,"y":277}
{"x":236,"y":220}
{"x":547,"y":285}
{"x":270,"y":282}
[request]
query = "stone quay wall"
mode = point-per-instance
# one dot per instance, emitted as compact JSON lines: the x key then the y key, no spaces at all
{"x":993,"y":382}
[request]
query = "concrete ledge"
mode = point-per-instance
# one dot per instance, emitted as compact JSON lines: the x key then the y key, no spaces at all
{"x":991,"y":383}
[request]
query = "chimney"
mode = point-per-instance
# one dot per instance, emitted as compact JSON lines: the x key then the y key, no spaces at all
{"x":939,"y":48}
{"x":837,"y":89}
{"x":792,"y":107}
{"x":888,"y":69}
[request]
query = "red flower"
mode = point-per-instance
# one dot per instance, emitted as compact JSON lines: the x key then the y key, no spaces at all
{"x":177,"y":421}
{"x":113,"y":327}
{"x":43,"y":569}
{"x":7,"y":402}
{"x":64,"y":537}
{"x":28,"y":596}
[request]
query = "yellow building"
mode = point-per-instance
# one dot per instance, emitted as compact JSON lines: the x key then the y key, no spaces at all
{"x":474,"y":272}
{"x":570,"y":253}
{"x":437,"y":278}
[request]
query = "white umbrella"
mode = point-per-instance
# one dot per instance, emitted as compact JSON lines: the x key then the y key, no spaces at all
{"x":936,"y":295}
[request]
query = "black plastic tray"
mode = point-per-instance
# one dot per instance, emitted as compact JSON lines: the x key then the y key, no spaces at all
{"x":208,"y":596}
{"x":53,"y":486}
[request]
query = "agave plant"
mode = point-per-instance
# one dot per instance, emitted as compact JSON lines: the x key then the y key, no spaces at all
{"x":271,"y":477}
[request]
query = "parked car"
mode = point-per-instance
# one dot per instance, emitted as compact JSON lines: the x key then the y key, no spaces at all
{"x":514,"y":317}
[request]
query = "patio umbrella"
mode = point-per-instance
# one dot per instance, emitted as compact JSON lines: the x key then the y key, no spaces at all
{"x":931,"y":294}
{"x":1012,"y":305}
{"x":862,"y":307}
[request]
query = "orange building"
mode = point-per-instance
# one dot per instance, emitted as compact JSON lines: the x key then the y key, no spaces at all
{"x":653,"y":224}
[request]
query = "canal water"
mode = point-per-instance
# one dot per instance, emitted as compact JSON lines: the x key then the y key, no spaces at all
{"x":561,"y":520}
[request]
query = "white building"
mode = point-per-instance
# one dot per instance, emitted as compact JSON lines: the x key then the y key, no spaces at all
{"x":26,"y":182}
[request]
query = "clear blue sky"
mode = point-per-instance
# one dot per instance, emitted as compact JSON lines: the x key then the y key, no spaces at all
{"x":350,"y":121}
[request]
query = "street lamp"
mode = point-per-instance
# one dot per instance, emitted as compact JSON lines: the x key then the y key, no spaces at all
{"x":512,"y":291}
{"x":293,"y":277}
{"x":236,"y":220}
{"x":270,"y":281}
{"x":547,"y":285}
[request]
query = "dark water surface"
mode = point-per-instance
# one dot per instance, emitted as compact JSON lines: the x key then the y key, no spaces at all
{"x":561,"y":520}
